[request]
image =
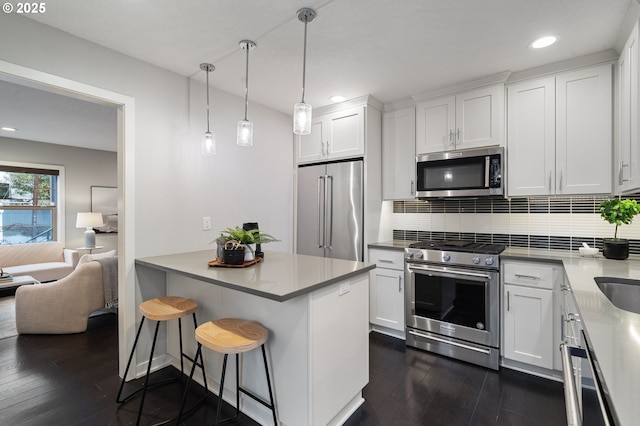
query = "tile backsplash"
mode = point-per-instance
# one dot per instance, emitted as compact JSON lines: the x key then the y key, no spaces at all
{"x":553,"y":223}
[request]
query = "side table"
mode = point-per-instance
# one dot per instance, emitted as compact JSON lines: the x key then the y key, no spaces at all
{"x":90,"y":249}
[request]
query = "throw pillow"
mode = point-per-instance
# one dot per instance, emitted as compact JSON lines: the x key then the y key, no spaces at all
{"x":89,"y":257}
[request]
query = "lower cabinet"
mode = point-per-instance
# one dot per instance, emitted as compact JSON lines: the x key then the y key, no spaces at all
{"x":529,"y":313}
{"x":528,"y":325}
{"x":386,"y":292}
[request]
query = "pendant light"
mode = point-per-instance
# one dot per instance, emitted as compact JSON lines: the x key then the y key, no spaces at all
{"x":245,"y":127}
{"x":302,"y":110}
{"x":209,"y":140}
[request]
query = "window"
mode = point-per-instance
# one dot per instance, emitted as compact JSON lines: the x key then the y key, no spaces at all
{"x":28,"y":204}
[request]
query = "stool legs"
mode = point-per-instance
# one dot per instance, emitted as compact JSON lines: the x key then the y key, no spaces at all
{"x":239,"y":388}
{"x":146,"y":385}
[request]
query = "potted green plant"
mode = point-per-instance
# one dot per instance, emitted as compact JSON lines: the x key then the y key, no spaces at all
{"x":248,"y":238}
{"x":617,"y":211}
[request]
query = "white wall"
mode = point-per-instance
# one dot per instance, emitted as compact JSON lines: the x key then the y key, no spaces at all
{"x":175,"y":186}
{"x":83,"y":168}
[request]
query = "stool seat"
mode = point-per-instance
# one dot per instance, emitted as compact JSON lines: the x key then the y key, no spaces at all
{"x":231,"y":335}
{"x":167,"y":308}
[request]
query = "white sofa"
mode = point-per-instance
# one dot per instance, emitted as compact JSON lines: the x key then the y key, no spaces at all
{"x":43,"y":261}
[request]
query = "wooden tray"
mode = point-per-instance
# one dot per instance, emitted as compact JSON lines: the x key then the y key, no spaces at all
{"x":217,"y":262}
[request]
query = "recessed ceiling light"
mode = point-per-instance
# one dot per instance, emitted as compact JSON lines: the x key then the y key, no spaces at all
{"x":337,"y":98}
{"x":8,"y":129}
{"x":543,"y":42}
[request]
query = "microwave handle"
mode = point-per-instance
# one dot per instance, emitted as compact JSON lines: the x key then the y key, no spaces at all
{"x":486,"y":171}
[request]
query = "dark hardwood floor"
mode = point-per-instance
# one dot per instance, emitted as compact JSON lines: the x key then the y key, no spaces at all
{"x":72,"y":380}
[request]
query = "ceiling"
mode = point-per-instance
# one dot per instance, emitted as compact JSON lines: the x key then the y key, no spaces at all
{"x":386,"y":48}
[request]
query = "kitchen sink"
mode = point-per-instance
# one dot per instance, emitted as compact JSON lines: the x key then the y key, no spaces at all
{"x":622,"y":292}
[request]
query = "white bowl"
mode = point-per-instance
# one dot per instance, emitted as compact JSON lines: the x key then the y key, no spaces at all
{"x":588,"y":251}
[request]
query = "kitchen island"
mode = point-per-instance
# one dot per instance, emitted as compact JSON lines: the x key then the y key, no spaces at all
{"x":317,"y":313}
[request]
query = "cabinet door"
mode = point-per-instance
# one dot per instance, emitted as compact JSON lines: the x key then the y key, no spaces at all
{"x":345,"y":136}
{"x":627,"y":174}
{"x":386,"y":304}
{"x":311,"y":147}
{"x":583,"y":131}
{"x":531,"y":137}
{"x":528,"y":325}
{"x":398,"y":154}
{"x":435,"y":124}
{"x":479,"y":115}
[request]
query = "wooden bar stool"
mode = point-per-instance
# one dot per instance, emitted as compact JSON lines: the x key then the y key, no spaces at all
{"x":232,"y":336}
{"x":162,"y":309}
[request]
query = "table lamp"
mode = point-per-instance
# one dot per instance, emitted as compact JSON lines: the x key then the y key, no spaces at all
{"x":89,"y":221}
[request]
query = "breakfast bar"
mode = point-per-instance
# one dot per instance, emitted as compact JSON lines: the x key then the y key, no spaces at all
{"x":316,"y":311}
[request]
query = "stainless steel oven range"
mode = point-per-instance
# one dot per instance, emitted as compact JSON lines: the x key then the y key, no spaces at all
{"x":452,"y":299}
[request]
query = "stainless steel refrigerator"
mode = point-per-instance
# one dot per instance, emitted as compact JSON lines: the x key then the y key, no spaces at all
{"x":330,"y":210}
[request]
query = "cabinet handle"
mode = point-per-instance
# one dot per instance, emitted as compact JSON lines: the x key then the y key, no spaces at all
{"x":385,"y":261}
{"x":399,"y":284}
{"x":457,"y":136}
{"x":560,"y":184}
{"x":451,"y":141}
{"x":620,"y":173}
{"x":412,"y":187}
{"x":549,"y":181}
{"x":531,"y":277}
{"x":508,"y":302}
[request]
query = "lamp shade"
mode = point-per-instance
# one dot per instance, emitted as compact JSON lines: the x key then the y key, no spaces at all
{"x":302,"y":119}
{"x":89,"y":220}
{"x":245,"y":133}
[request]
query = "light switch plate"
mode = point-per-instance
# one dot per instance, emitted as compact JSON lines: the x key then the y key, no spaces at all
{"x":206,"y":223}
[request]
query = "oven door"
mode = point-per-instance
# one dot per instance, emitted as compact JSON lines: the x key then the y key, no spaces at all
{"x":453,"y":302}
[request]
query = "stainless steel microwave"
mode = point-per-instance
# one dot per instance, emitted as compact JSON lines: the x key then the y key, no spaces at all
{"x":465,"y":173}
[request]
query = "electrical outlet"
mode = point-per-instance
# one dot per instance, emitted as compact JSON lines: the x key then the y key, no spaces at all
{"x":206,"y":223}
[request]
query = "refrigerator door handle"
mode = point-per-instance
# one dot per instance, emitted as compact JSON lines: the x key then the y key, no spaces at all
{"x":321,"y":189}
{"x":328,"y":202}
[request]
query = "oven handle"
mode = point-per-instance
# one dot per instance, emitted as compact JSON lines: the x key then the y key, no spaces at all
{"x":441,"y":271}
{"x":448,"y":342}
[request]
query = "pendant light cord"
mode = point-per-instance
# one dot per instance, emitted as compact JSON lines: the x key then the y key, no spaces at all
{"x":304,"y":60}
{"x":208,"y":131}
{"x":246,"y":85}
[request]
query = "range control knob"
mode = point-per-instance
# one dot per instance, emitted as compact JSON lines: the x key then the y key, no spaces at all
{"x":419,"y":255}
{"x":446,"y":258}
{"x":476,"y":259}
{"x":489,"y":261}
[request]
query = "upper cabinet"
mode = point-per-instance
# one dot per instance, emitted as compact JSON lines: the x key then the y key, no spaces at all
{"x":627,"y":167}
{"x":398,"y":154}
{"x":559,"y":134}
{"x":334,"y":135}
{"x":469,"y":119}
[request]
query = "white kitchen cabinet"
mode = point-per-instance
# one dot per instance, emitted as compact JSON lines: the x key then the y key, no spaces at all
{"x":335,"y":135}
{"x":559,"y":134}
{"x":398,"y":154}
{"x":528,"y":313}
{"x":469,"y":119}
{"x":627,"y":168}
{"x":386,"y":294}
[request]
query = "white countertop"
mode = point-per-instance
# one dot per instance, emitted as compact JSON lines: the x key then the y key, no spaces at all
{"x":613,"y":333}
{"x":280,"y":276}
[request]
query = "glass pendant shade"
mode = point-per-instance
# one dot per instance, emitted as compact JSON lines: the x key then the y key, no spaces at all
{"x":245,"y":133}
{"x":209,"y":144}
{"x":302,"y":118}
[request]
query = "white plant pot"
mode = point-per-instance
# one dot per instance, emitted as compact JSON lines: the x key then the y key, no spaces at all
{"x":249,"y":252}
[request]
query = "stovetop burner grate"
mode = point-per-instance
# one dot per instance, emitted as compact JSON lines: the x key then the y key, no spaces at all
{"x":460,"y":246}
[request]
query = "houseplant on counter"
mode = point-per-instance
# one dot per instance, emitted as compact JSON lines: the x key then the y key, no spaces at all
{"x":617,"y":211}
{"x":243,"y":238}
